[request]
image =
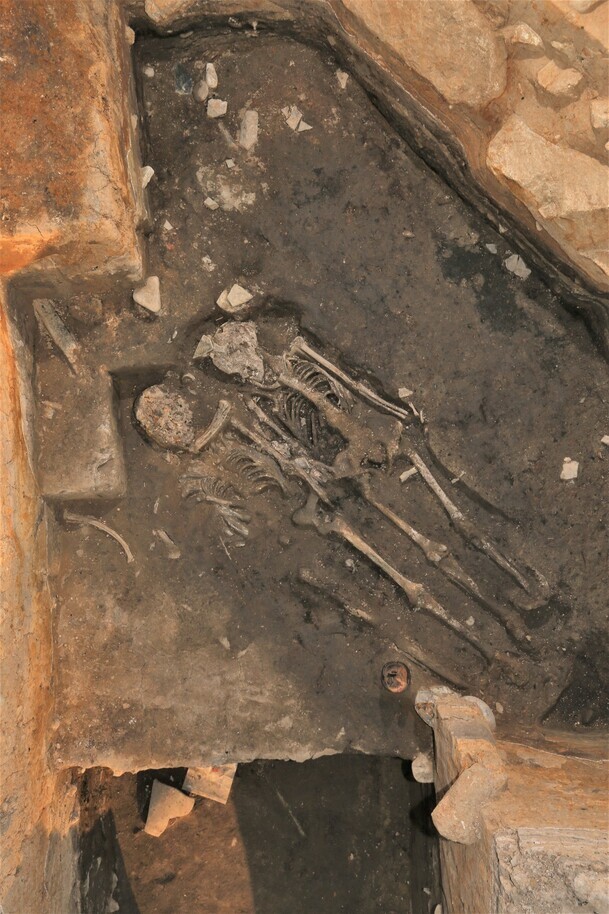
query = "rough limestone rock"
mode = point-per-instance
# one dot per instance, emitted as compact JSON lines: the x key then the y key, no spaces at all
{"x":567,"y":189}
{"x":452,"y":45}
{"x":558,"y":81}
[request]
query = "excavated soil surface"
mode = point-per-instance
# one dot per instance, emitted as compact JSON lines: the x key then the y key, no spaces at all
{"x":343,"y":235}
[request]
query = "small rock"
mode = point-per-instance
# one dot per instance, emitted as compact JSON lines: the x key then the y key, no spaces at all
{"x":148,"y":71}
{"x":248,"y":131}
{"x":558,"y":82}
{"x":210,"y":203}
{"x":201,"y":91}
{"x":437,"y":909}
{"x":491,"y":247}
{"x":166,"y":803}
{"x":226,"y":645}
{"x":212,"y":783}
{"x":599,"y":113}
{"x":211,"y":76}
{"x":167,"y":226}
{"x":605,"y":440}
{"x":471,"y":621}
{"x":129,"y":35}
{"x":183,"y":80}
{"x":204,"y":347}
{"x":516,"y":265}
{"x":303,"y":126}
{"x":404,"y":393}
{"x":525,"y":35}
{"x":149,"y":295}
{"x":407,"y":233}
{"x":146,"y":174}
{"x":216,"y":107}
{"x":570,"y":469}
{"x":230,"y":163}
{"x":293,"y":116}
{"x":342,"y":78}
{"x":234,"y":300}
{"x":498,"y":707}
{"x":422,"y":768}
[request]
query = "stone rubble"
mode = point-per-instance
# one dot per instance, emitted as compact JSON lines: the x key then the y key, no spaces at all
{"x":201,"y":91}
{"x":342,"y":78}
{"x":516,"y":265}
{"x":570,"y":469}
{"x":234,"y":301}
{"x":216,"y":107}
{"x":210,"y":203}
{"x":248,"y":130}
{"x":166,"y":803}
{"x":563,"y":83}
{"x":148,"y":296}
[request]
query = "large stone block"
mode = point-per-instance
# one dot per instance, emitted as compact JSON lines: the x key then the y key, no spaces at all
{"x":69,"y":169}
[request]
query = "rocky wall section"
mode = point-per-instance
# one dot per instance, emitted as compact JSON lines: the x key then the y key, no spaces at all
{"x":507,"y":98}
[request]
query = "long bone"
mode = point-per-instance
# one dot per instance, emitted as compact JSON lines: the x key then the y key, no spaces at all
{"x":540,"y":591}
{"x":417,"y":594}
{"x":439,"y":555}
{"x":436,"y":553}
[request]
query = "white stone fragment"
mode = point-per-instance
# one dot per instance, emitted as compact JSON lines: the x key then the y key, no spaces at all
{"x":342,"y":78}
{"x":210,"y":203}
{"x":201,"y":91}
{"x":605,"y":440}
{"x":563,"y":83}
{"x":148,"y":71}
{"x":216,"y":107}
{"x":146,"y":174}
{"x":166,"y":803}
{"x":149,"y":295}
{"x":470,"y":621}
{"x":214,"y":783}
{"x":134,"y":121}
{"x":303,"y":126}
{"x":167,"y":226}
{"x":404,"y":393}
{"x":234,"y":300}
{"x":422,"y":768}
{"x":293,"y":116}
{"x":211,"y":76}
{"x":570,"y":469}
{"x":499,"y":707}
{"x":516,"y":265}
{"x":204,"y":347}
{"x":524,"y":34}
{"x":230,"y":163}
{"x":599,"y":113}
{"x":491,"y":247}
{"x":407,"y":474}
{"x":248,"y":131}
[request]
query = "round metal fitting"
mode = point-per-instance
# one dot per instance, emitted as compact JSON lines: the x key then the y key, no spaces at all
{"x":395,"y":676}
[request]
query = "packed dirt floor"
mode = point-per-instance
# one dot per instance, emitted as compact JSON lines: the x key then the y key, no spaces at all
{"x":335,"y":836}
{"x":271,"y":645}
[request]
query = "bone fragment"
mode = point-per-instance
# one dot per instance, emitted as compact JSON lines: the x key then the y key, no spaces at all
{"x":248,"y":130}
{"x":50,"y":320}
{"x":173,"y":550}
{"x":85,"y":520}
{"x":408,"y":473}
{"x":215,"y":426}
{"x":234,"y":350}
{"x":146,"y":175}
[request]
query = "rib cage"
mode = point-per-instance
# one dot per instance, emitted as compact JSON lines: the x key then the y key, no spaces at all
{"x":321,"y":381}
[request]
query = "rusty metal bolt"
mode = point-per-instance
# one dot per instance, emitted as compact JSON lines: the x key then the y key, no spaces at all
{"x":395,"y":676}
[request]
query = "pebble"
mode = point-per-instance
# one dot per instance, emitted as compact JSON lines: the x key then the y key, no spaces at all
{"x":570,"y":469}
{"x":216,"y":107}
{"x":129,"y":35}
{"x":167,"y":226}
{"x":210,"y":203}
{"x":498,"y":707}
{"x":303,"y":126}
{"x":491,"y":247}
{"x":248,"y":131}
{"x":201,"y":91}
{"x":605,"y":440}
{"x":149,"y":295}
{"x":234,"y":300}
{"x":342,"y":78}
{"x":211,"y":76}
{"x":404,"y":393}
{"x":471,"y":621}
{"x":230,"y":163}
{"x":516,"y":265}
{"x":146,"y":174}
{"x":148,"y":71}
